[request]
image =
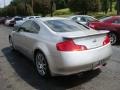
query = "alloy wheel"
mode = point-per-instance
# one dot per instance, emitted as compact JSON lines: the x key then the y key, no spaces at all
{"x":113,"y":38}
{"x":41,"y":64}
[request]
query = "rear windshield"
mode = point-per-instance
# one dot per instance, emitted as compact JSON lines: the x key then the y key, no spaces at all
{"x":65,"y":26}
{"x":105,"y":19}
{"x":90,"y":19}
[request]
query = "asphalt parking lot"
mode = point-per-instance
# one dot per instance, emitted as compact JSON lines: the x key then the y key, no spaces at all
{"x":18,"y":73}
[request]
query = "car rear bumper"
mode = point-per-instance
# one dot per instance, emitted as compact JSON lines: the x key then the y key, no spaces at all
{"x":78,"y":61}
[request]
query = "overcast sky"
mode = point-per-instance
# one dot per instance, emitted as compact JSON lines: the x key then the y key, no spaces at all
{"x":6,"y":2}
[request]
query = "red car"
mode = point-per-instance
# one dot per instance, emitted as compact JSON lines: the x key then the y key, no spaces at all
{"x":111,"y":24}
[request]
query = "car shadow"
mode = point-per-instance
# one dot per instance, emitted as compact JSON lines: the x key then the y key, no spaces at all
{"x":26,"y":70}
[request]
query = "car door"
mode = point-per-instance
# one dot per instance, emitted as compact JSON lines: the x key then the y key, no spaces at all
{"x":104,"y":24}
{"x":20,"y":36}
{"x":31,"y":38}
{"x":115,"y":25}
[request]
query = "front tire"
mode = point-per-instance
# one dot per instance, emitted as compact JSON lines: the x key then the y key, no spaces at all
{"x":42,"y":65}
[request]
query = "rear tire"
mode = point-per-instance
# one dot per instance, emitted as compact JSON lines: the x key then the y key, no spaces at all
{"x":113,"y":38}
{"x":42,"y":65}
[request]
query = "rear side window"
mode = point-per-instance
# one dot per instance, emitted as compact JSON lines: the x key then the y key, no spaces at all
{"x":74,"y":18}
{"x":31,"y":17}
{"x":35,"y":27}
{"x":116,"y":21}
{"x":38,"y":17}
{"x":105,"y":19}
{"x":17,"y":19}
{"x":83,"y":19}
{"x":27,"y":25}
{"x":31,"y":27}
{"x":64,"y":26}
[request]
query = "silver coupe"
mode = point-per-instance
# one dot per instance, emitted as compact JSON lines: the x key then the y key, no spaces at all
{"x":59,"y":46}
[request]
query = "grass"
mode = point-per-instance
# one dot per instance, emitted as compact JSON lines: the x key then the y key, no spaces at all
{"x":63,"y":12}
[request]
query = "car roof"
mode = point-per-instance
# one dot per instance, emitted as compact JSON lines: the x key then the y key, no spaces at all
{"x":80,"y":16}
{"x":109,"y":17}
{"x":50,"y":18}
{"x":115,"y":16}
{"x":33,"y":16}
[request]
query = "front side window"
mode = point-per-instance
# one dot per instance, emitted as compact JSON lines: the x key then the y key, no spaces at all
{"x":64,"y":26}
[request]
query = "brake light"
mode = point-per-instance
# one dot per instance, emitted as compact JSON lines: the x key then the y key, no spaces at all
{"x":107,"y":40}
{"x":69,"y":45}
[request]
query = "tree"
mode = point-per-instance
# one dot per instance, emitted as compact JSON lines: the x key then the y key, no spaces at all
{"x":24,"y":10}
{"x":60,"y":4}
{"x":118,"y":6}
{"x":84,"y":6}
{"x":21,"y":9}
{"x":105,"y":6}
{"x":29,"y":7}
{"x":80,"y":6}
{"x":111,"y":2}
{"x":43,"y":7}
{"x":4,"y":11}
{"x":29,"y":10}
{"x":94,"y":5}
{"x":0,"y":11}
{"x":11,"y":11}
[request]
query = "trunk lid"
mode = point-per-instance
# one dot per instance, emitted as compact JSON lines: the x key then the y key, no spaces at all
{"x":90,"y":38}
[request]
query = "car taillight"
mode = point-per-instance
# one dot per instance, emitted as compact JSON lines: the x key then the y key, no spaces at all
{"x":107,"y":40}
{"x":69,"y":45}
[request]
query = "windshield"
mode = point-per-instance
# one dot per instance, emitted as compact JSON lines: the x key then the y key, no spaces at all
{"x":64,"y":26}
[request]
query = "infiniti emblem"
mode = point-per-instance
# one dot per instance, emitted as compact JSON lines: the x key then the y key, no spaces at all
{"x":94,"y":40}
